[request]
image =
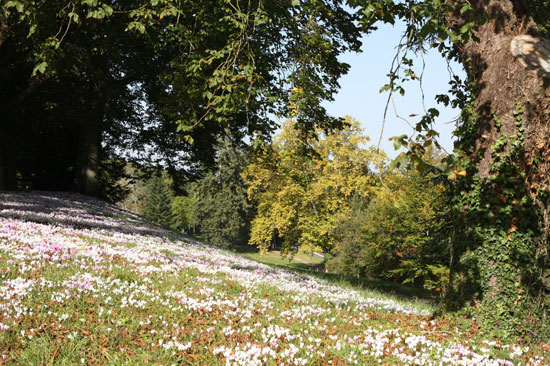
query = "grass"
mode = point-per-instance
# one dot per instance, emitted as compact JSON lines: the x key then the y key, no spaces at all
{"x":313,"y":267}
{"x":305,"y":263}
{"x":73,"y":295}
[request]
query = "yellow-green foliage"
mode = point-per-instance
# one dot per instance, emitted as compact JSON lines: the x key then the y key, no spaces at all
{"x":400,"y":233}
{"x":184,"y":213}
{"x":404,"y":227}
{"x":303,"y":187}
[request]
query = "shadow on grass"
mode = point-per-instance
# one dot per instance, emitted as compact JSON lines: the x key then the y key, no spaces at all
{"x":317,"y":270}
{"x":244,"y":249}
{"x":76,"y":211}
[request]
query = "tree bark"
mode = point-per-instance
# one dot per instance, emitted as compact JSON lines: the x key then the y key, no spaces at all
{"x":503,"y":81}
{"x":7,"y":166}
{"x":92,"y":124}
{"x":511,"y":105}
{"x":88,"y":158}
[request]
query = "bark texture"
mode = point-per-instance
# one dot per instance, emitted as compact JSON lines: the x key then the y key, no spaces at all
{"x":503,"y":81}
{"x":88,"y":158}
{"x":503,"y":67}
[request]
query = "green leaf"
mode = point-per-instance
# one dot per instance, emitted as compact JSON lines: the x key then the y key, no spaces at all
{"x":74,"y":16}
{"x":385,"y":88}
{"x":399,"y":141}
{"x":17,"y":4}
{"x":466,"y":8}
{"x":466,"y":28}
{"x":31,"y":30}
{"x":183,"y":128}
{"x":90,"y":3}
{"x":40,"y":68}
{"x":108,"y":10}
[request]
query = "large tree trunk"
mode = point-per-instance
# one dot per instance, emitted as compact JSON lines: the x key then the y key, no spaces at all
{"x":94,"y":108}
{"x":88,"y":158}
{"x":512,"y":156}
{"x":7,"y":166}
{"x":3,"y":172}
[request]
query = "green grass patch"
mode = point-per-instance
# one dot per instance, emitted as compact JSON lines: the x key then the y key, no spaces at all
{"x":312,"y":268}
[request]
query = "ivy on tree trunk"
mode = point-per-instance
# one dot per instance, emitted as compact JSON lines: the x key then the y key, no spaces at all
{"x":502,"y":253}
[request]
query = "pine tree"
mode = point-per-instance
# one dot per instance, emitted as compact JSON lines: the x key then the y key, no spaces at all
{"x":223,"y":209}
{"x":158,"y":201}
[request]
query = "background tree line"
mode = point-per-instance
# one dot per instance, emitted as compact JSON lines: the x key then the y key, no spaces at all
{"x":331,"y":194}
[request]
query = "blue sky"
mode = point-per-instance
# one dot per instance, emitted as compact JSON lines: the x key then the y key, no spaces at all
{"x":359,"y":95}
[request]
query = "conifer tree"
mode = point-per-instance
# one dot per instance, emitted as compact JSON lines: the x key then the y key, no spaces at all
{"x":158,"y":201}
{"x":223,"y":209}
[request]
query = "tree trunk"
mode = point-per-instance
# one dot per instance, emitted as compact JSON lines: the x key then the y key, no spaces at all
{"x":88,"y":158}
{"x":7,"y":167}
{"x":3,"y":178}
{"x":510,"y":124}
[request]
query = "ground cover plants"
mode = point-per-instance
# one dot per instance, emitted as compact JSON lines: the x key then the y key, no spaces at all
{"x":83,"y":282}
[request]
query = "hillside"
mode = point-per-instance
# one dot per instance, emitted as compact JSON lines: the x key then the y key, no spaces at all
{"x":84,"y":282}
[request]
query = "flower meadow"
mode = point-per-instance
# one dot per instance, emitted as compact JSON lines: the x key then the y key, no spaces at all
{"x":83,"y":282}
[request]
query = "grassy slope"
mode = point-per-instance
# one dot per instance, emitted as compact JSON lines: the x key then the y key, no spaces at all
{"x":298,"y":262}
{"x":306,"y":264}
{"x":82,"y":282}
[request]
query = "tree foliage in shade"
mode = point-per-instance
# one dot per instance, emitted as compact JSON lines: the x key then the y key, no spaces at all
{"x":401,"y":233}
{"x":222,"y":209}
{"x":302,"y":187}
{"x":88,"y":80}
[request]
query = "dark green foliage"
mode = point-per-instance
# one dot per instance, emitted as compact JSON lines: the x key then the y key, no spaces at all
{"x":62,"y":115}
{"x":399,"y":235}
{"x":85,"y":82}
{"x":112,"y":181}
{"x":157,"y":201}
{"x":223,"y":212}
{"x":500,"y":262}
{"x":539,"y":10}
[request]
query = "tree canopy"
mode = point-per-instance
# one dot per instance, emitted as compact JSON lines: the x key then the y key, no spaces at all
{"x":164,"y":78}
{"x":301,"y":187}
